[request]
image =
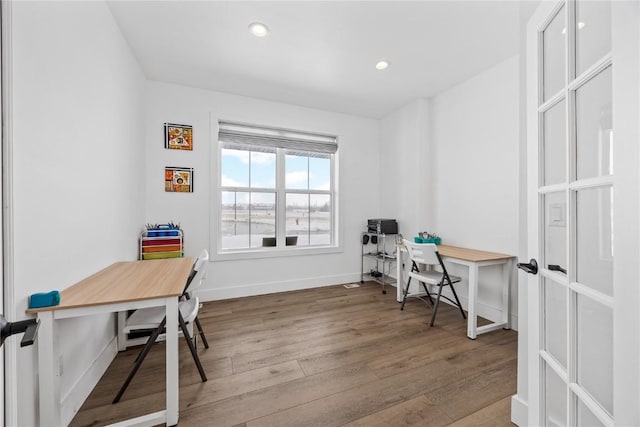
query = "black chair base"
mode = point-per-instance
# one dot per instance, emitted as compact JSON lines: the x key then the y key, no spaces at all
{"x":151,"y":342}
{"x":446,"y":281}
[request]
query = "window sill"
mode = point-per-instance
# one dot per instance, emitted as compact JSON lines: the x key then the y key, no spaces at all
{"x":275,"y":253}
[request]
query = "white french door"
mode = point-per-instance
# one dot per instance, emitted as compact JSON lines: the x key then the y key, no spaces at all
{"x":571,"y":221}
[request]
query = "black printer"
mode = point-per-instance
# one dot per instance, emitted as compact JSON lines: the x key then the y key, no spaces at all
{"x":382,"y":226}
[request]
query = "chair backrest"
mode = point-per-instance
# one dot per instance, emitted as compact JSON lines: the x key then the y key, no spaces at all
{"x":200,"y":269}
{"x":422,"y":253}
{"x":291,"y":240}
{"x":268,"y":241}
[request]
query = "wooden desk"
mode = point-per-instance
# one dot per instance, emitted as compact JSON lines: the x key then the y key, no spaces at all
{"x":121,"y":286}
{"x":473,"y":259}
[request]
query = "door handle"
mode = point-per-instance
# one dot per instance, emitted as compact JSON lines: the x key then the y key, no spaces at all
{"x":29,"y":327}
{"x":555,"y":267}
{"x":531,"y":267}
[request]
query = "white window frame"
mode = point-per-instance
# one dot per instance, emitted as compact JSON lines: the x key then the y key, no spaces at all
{"x":280,"y":250}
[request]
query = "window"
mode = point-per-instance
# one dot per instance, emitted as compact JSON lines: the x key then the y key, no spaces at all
{"x":277,"y":189}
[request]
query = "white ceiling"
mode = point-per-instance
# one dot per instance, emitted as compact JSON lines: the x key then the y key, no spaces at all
{"x":321,"y":54}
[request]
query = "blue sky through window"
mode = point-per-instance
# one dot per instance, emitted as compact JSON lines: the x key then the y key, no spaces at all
{"x":238,"y":167}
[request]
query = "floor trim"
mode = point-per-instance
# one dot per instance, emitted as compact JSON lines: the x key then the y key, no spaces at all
{"x":519,"y":410}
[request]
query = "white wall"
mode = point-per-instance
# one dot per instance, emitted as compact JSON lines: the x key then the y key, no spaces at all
{"x":358,"y":160}
{"x":405,"y":160}
{"x":475,"y":195}
{"x":451,"y":166}
{"x":77,"y":168}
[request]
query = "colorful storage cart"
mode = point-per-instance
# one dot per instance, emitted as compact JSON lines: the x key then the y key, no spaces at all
{"x":161,"y":242}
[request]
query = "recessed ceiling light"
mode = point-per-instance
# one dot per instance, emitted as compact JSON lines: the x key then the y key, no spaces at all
{"x":258,"y":29}
{"x":382,"y":65}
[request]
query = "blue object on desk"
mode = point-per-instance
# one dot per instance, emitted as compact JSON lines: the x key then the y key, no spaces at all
{"x":45,"y":299}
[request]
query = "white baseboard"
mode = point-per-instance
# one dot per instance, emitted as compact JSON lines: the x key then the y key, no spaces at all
{"x":79,"y":392}
{"x":253,"y":289}
{"x":519,"y":410}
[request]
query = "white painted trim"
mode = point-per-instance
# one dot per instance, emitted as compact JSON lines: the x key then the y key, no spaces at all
{"x":231,"y":291}
{"x":9,"y":309}
{"x":82,"y":388}
{"x":275,"y":253}
{"x":144,"y":421}
{"x":519,"y":410}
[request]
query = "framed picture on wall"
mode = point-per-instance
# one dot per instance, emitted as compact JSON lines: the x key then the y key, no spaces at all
{"x":178,"y":180}
{"x":178,"y":137}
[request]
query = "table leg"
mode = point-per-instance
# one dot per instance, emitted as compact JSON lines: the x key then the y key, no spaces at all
{"x":122,"y":337}
{"x":472,"y":320}
{"x":48,"y":380}
{"x":399,"y":282}
{"x":506,"y":276}
{"x":172,"y":361}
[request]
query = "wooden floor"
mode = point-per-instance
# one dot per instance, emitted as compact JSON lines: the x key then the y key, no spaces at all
{"x":324,"y":357}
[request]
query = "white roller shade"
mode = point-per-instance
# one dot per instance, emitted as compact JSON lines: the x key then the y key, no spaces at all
{"x":243,"y":136}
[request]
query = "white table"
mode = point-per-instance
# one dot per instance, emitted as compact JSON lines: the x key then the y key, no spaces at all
{"x":473,"y":259}
{"x":121,"y":286}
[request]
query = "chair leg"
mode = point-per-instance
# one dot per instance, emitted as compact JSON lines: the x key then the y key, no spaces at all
{"x":406,"y":291}
{"x":187,"y":338}
{"x":457,"y":300}
{"x":201,"y":332}
{"x":140,"y":359}
{"x":424,"y":285}
{"x":435,"y":308}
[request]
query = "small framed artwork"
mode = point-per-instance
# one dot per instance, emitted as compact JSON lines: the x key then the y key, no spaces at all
{"x":178,"y":180}
{"x":178,"y":137}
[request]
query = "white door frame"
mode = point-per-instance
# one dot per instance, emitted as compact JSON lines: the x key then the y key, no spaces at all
{"x":626,"y":305}
{"x":10,"y":347}
{"x":626,"y":114}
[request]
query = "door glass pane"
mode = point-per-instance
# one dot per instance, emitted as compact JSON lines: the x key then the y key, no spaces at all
{"x":297,"y":226}
{"x":320,"y":219}
{"x":586,"y":417}
{"x":555,"y":399}
{"x":594,"y":127}
{"x":553,"y":48}
{"x":593,"y":40}
{"x":555,"y":230}
{"x":555,"y":321}
{"x":263,"y":219}
{"x":595,"y":239}
{"x":595,"y":350}
{"x":555,"y":144}
{"x":263,"y":170}
{"x":235,"y":219}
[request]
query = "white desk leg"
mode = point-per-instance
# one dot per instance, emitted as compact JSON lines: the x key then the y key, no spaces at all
{"x":122,"y":337}
{"x":172,"y":361}
{"x":472,"y":320}
{"x":48,"y":380}
{"x":506,"y":276}
{"x":399,"y":282}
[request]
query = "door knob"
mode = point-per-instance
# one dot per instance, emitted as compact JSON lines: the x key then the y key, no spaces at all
{"x":531,"y":267}
{"x":29,"y":327}
{"x":555,"y":267}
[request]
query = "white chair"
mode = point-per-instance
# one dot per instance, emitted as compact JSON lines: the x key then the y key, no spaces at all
{"x":153,"y":320}
{"x":195,"y":281}
{"x":427,"y":254}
